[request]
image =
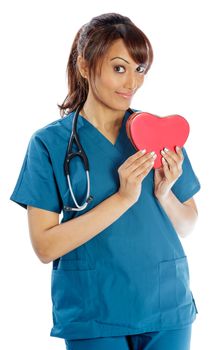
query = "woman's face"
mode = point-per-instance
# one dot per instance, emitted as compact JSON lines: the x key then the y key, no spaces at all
{"x":119,"y":79}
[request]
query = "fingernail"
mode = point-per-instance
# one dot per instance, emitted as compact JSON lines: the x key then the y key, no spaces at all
{"x":166,"y":149}
{"x":143,"y":151}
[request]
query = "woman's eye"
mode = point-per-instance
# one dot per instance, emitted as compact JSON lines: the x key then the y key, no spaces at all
{"x":141,"y":69}
{"x":119,"y":69}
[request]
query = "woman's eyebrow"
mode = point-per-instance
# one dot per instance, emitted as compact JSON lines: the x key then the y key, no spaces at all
{"x":142,"y":64}
{"x":120,"y":59}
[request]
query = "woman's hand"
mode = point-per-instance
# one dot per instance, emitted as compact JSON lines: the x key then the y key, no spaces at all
{"x":167,"y":175}
{"x":131,"y":174}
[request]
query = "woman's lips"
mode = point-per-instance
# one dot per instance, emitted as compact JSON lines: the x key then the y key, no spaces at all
{"x":125,"y":95}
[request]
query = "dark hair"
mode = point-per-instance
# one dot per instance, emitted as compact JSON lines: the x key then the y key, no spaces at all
{"x":92,"y":42}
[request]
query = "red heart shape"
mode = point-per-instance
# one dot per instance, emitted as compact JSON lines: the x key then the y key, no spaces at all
{"x":153,"y":133}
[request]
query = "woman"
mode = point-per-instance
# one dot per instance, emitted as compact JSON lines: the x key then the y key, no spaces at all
{"x":120,"y":276}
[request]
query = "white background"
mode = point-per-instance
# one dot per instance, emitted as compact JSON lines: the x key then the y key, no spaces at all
{"x":36,"y":38}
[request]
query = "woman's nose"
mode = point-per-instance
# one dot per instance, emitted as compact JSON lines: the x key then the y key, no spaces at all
{"x":131,"y":82}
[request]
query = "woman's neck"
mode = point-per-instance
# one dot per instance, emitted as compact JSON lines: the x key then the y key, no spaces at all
{"x":102,"y":117}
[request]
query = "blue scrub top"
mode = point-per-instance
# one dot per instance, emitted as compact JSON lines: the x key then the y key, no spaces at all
{"x":131,"y":278}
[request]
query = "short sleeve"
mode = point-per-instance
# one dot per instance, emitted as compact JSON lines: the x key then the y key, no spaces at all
{"x":188,"y":183}
{"x":36,"y":184}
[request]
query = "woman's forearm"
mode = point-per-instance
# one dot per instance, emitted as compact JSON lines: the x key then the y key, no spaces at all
{"x":183,"y":217}
{"x":67,"y":236}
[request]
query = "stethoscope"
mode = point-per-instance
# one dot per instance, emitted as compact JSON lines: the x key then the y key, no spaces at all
{"x":81,"y":153}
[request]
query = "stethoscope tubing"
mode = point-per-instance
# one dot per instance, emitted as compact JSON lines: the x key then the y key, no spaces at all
{"x":69,"y":156}
{"x":81,"y":153}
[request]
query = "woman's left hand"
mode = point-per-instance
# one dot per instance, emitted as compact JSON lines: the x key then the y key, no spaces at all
{"x":166,"y":176}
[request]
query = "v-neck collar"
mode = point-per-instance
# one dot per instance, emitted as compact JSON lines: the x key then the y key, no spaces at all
{"x":87,"y":131}
{"x":107,"y":147}
{"x":85,"y":122}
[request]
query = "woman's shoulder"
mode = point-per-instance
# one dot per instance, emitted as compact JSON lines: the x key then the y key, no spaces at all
{"x":136,"y":110}
{"x":53,"y":130}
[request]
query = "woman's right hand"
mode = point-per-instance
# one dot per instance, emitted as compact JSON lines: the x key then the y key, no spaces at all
{"x":132,"y":172}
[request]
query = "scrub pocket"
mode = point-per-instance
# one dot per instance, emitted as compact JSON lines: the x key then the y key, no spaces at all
{"x":74,"y":293}
{"x":174,"y":284}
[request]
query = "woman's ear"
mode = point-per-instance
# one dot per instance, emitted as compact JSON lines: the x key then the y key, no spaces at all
{"x":82,"y":66}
